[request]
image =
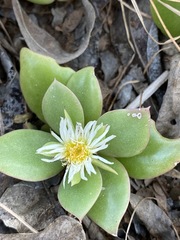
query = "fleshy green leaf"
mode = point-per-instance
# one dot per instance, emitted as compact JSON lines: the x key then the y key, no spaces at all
{"x":131,"y":128}
{"x":85,"y":86}
{"x":169,"y":12}
{"x":160,"y":156}
{"x":113,"y":201}
{"x":37,"y":72}
{"x":78,"y":199}
{"x":56,"y":101}
{"x":18,"y":156}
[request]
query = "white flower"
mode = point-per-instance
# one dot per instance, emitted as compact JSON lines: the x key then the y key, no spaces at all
{"x":77,"y":148}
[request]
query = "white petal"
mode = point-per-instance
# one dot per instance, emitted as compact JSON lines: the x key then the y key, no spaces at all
{"x":97,"y":149}
{"x":45,"y":148}
{"x":51,"y":150}
{"x":82,"y":173}
{"x":65,"y":175}
{"x":100,"y":137}
{"x":93,"y":132}
{"x":87,"y":128}
{"x":62,"y":129}
{"x":66,"y":130}
{"x":73,"y":169}
{"x":70,"y":129}
{"x":89,"y":167}
{"x":78,"y":131}
{"x":57,"y":157}
{"x":49,"y":160}
{"x":57,"y":150}
{"x":104,"y":141}
{"x":102,"y":159}
{"x":56,"y":136}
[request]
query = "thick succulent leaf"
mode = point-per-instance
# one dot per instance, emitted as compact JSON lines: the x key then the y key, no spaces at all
{"x":37,"y":72}
{"x":169,"y":12}
{"x":56,"y":101}
{"x":86,"y":87}
{"x":79,"y":198}
{"x":18,"y":156}
{"x":131,"y":128}
{"x":113,"y":201}
{"x":160,"y":156}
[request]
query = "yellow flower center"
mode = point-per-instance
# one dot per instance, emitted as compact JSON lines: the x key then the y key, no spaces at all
{"x":76,"y":152}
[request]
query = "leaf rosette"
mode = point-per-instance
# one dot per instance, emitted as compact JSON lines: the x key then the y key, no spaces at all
{"x":97,"y":152}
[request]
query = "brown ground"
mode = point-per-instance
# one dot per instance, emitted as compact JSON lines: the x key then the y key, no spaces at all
{"x":117,"y":59}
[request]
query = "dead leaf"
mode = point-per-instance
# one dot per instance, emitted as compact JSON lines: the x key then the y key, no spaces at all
{"x":72,"y":21}
{"x":42,"y":42}
{"x":1,"y":125}
{"x":160,"y":195}
{"x":138,"y":34}
{"x":35,"y":208}
{"x":94,"y":232}
{"x":5,"y":182}
{"x":168,"y":122}
{"x":62,"y":228}
{"x":153,"y":217}
{"x":173,"y":174}
{"x":104,"y":89}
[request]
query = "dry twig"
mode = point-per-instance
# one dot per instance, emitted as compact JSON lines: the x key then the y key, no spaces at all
{"x":18,"y":217}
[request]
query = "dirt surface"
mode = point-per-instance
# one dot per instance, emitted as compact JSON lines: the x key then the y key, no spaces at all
{"x":109,"y":36}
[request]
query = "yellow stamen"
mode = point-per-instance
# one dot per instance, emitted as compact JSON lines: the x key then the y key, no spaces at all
{"x":76,"y":152}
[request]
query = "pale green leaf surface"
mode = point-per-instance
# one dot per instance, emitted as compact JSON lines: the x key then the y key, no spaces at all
{"x":169,"y":12}
{"x":160,"y":156}
{"x":78,"y":199}
{"x":56,"y":101}
{"x":37,"y":72}
{"x":85,"y":86}
{"x":18,"y":156}
{"x":131,"y":128}
{"x":113,"y":201}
